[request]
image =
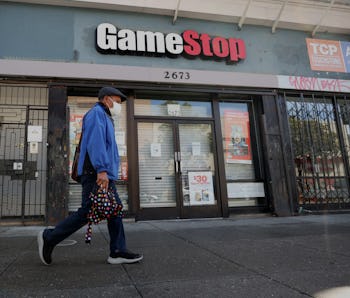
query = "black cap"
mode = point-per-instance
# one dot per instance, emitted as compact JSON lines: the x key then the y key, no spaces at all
{"x":105,"y":91}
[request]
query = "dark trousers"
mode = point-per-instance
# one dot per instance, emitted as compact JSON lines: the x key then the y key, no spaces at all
{"x":78,"y":219}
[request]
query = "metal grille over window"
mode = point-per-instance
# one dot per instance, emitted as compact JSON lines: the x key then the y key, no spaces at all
{"x":23,"y":151}
{"x":319,"y":159}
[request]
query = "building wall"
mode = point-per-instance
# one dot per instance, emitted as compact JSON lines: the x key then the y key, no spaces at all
{"x":33,"y":36}
{"x":49,"y":33}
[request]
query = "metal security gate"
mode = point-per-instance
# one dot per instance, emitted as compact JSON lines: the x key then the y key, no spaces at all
{"x":320,"y":135}
{"x":23,"y":138}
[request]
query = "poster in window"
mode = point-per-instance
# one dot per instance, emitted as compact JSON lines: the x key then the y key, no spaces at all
{"x":237,"y":137}
{"x":201,"y":188}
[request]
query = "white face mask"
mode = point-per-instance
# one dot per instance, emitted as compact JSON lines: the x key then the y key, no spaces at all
{"x":115,"y":109}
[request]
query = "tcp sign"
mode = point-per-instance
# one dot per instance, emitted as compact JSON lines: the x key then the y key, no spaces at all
{"x":327,"y":55}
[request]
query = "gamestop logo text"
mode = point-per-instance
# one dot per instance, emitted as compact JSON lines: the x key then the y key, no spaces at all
{"x":191,"y":44}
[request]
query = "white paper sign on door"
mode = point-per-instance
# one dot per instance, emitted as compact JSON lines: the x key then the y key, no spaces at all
{"x":35,"y":133}
{"x":156,"y":150}
{"x":174,"y":110}
{"x":34,"y":148}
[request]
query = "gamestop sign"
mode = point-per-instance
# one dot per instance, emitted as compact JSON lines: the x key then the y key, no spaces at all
{"x":190,"y":44}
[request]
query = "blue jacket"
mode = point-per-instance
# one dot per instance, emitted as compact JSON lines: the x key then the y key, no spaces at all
{"x":99,"y":141}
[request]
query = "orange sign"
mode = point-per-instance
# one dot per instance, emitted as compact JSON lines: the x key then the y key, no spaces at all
{"x":237,"y":137}
{"x":325,"y":55}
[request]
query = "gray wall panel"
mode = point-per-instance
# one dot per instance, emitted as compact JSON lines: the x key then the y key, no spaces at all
{"x":36,"y":32}
{"x":68,"y":34}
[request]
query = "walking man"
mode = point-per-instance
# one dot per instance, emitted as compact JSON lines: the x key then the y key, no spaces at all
{"x":98,"y":164}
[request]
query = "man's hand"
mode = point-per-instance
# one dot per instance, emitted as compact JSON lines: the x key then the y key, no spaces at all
{"x":102,"y":180}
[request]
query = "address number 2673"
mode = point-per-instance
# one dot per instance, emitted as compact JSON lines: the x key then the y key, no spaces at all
{"x":177,"y":75}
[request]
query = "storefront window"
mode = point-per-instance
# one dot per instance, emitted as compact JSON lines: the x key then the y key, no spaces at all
{"x":78,"y":106}
{"x":172,"y":108}
{"x":239,"y":165}
{"x":236,"y":141}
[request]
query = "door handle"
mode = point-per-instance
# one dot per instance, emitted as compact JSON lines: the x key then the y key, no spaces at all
{"x":179,"y":161}
{"x":177,"y":156}
{"x":178,"y":167}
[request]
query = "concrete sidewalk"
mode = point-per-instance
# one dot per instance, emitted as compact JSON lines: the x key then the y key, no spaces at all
{"x":235,"y":257}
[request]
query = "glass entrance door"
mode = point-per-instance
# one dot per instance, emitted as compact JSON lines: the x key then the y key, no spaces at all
{"x":196,"y":165}
{"x":177,"y":169}
{"x":156,"y":165}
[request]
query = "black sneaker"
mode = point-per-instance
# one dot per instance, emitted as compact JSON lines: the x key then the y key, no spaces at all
{"x":124,"y":257}
{"x":45,"y":250}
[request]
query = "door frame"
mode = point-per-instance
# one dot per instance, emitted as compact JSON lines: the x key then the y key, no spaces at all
{"x":180,"y":211}
{"x":202,"y":210}
{"x":150,"y":213}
